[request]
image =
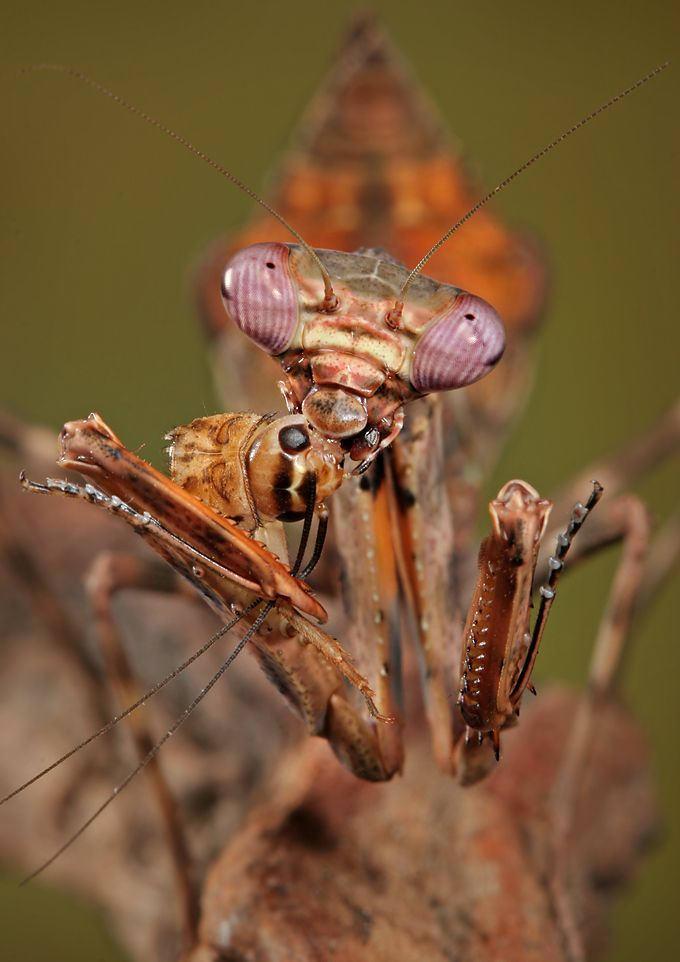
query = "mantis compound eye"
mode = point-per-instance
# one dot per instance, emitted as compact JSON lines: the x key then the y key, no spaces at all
{"x":260,"y":296}
{"x":459,"y":347}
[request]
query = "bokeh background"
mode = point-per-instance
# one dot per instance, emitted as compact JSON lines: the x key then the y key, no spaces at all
{"x":103,"y":218}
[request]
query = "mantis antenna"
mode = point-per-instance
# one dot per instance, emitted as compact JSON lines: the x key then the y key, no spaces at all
{"x":395,"y":313}
{"x":330,"y":300}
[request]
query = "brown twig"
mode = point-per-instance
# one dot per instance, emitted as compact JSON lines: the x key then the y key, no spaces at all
{"x":605,"y":670}
{"x":110,"y":574}
{"x":658,"y":442}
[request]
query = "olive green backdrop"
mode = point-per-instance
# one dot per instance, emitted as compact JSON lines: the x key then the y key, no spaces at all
{"x":103,"y":217}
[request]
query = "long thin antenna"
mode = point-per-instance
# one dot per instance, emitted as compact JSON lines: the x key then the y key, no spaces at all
{"x":330,"y":301}
{"x":140,"y":701}
{"x":153,"y":751}
{"x":397,"y":309}
{"x":61,"y":487}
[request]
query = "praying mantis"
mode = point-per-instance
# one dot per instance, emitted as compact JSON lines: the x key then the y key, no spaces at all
{"x":384,"y":494}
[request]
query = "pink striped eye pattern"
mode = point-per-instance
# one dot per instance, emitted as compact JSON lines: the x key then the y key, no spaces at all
{"x":260,"y":296}
{"x":458,"y":348}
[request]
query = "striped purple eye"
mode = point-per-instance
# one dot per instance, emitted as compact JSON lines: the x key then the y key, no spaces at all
{"x":260,"y":296}
{"x":459,"y":348}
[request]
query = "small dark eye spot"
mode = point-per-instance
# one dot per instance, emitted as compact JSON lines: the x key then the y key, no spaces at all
{"x":293,"y":439}
{"x":469,"y":317}
{"x":270,"y":265}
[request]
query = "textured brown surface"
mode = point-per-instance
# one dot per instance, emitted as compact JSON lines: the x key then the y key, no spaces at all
{"x":422,"y":869}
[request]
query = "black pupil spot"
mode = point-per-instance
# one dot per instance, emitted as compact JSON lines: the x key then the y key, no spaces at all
{"x":469,"y":317}
{"x":293,"y":439}
{"x":270,"y":265}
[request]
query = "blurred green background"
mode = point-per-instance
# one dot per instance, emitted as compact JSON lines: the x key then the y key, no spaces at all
{"x":102,"y":217}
